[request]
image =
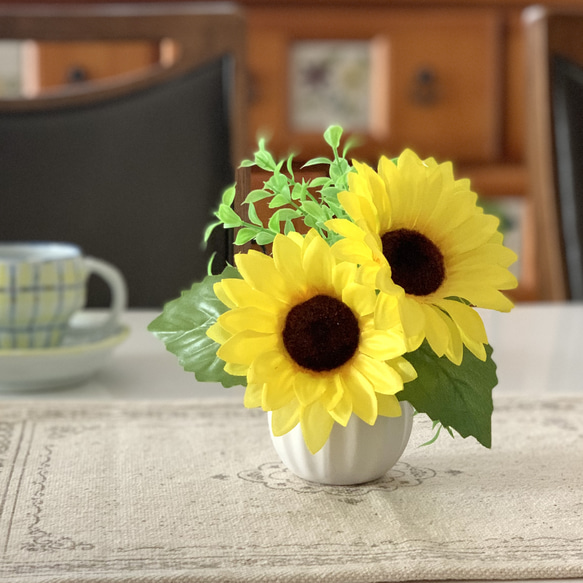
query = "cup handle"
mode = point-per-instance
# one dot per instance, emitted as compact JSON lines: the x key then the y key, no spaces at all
{"x":117,"y":285}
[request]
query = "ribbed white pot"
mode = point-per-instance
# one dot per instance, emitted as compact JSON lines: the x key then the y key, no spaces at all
{"x":353,"y":454}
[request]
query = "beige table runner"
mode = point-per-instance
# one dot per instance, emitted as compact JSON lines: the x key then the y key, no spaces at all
{"x":193,"y":491}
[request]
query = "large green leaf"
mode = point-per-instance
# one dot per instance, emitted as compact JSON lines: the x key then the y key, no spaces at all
{"x":182,"y":327}
{"x":459,"y":397}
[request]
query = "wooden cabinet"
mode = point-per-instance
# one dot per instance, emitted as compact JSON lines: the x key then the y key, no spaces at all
{"x":434,"y":78}
{"x":74,"y":62}
{"x":444,"y":77}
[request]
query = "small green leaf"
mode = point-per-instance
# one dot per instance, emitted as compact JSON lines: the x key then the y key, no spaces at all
{"x":278,"y":200}
{"x":290,"y":167}
{"x":317,"y":162}
{"x":265,"y":160}
{"x":459,"y":397}
{"x":257,"y":194}
{"x":265,"y":238}
{"x":228,"y":216}
{"x":332,"y":136}
{"x":253,"y":216}
{"x":209,"y":230}
{"x":209,"y":265}
{"x":228,"y":195}
{"x":245,"y":235}
{"x":320,"y":181}
{"x":350,"y":143}
{"x":278,"y":183}
{"x":273,"y":224}
{"x":182,"y":327}
{"x":247,"y":164}
{"x":287,"y":214}
{"x":315,"y":210}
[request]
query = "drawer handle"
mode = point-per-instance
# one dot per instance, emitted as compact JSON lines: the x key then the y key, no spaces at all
{"x":425,"y":87}
{"x":76,"y":74}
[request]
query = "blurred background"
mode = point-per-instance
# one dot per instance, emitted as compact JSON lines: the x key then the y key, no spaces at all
{"x":444,"y":77}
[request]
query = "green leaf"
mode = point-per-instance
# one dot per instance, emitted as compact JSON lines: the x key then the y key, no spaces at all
{"x":315,"y":210}
{"x":245,"y":235}
{"x":299,"y":191}
{"x":320,"y":181}
{"x":209,"y":265}
{"x":278,"y":200}
{"x":229,"y":195}
{"x":317,"y":162}
{"x":287,"y":214}
{"x":247,"y":164}
{"x":278,"y":183}
{"x":265,"y":160}
{"x":182,"y":327}
{"x":253,"y":216}
{"x":265,"y":238}
{"x":350,"y":143}
{"x":459,"y":397}
{"x":209,"y":230}
{"x":273,"y":224}
{"x":332,"y":136}
{"x":228,"y":216}
{"x":257,"y":194}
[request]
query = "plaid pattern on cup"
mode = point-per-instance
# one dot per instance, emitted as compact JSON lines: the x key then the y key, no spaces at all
{"x":37,"y":300}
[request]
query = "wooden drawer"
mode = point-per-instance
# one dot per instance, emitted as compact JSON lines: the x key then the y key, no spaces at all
{"x":61,"y":63}
{"x":433,"y":84}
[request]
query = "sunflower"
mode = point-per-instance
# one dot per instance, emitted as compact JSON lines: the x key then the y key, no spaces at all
{"x":303,"y":333}
{"x":417,"y":233}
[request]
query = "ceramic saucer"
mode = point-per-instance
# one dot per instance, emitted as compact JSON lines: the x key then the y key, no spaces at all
{"x":82,"y":353}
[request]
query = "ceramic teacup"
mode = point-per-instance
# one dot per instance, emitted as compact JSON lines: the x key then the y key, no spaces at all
{"x":42,"y":285}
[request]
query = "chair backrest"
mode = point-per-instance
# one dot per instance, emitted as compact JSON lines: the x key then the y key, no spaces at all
{"x":554,"y":55}
{"x":129,"y":168}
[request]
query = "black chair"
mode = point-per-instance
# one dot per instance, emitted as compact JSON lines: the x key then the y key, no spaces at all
{"x":555,"y":147}
{"x":129,"y":168}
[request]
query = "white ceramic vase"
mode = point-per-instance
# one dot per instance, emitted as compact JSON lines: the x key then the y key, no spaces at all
{"x":353,"y":454}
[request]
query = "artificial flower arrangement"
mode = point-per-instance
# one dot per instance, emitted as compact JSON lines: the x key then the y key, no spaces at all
{"x":373,"y":306}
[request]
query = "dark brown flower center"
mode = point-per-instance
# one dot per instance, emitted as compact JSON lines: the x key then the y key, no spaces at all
{"x":417,"y":264}
{"x":321,"y":333}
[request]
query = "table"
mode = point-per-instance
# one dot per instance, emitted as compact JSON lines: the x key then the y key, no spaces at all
{"x":144,"y":474}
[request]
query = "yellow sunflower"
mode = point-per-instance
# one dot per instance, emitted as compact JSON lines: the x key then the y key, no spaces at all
{"x":418,"y":233}
{"x":303,"y":332}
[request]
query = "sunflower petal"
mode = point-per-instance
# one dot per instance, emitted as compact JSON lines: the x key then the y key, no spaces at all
{"x":309,"y":387}
{"x":343,"y":410}
{"x":222,"y":295}
{"x":359,"y":298}
{"x":404,"y":368}
{"x":277,"y":394}
{"x":250,"y":318}
{"x":217,"y":333}
{"x":316,"y":426}
{"x":380,"y":375}
{"x":389,"y":406}
{"x":318,"y":263}
{"x":245,"y":346}
{"x":436,"y":330}
{"x":238,"y":370}
{"x":259,"y":271}
{"x":285,"y":418}
{"x":252,"y":396}
{"x":364,"y":399}
{"x":241,"y":294}
{"x":288,"y":261}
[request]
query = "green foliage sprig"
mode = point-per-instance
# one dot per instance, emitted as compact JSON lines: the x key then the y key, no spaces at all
{"x":313,"y":201}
